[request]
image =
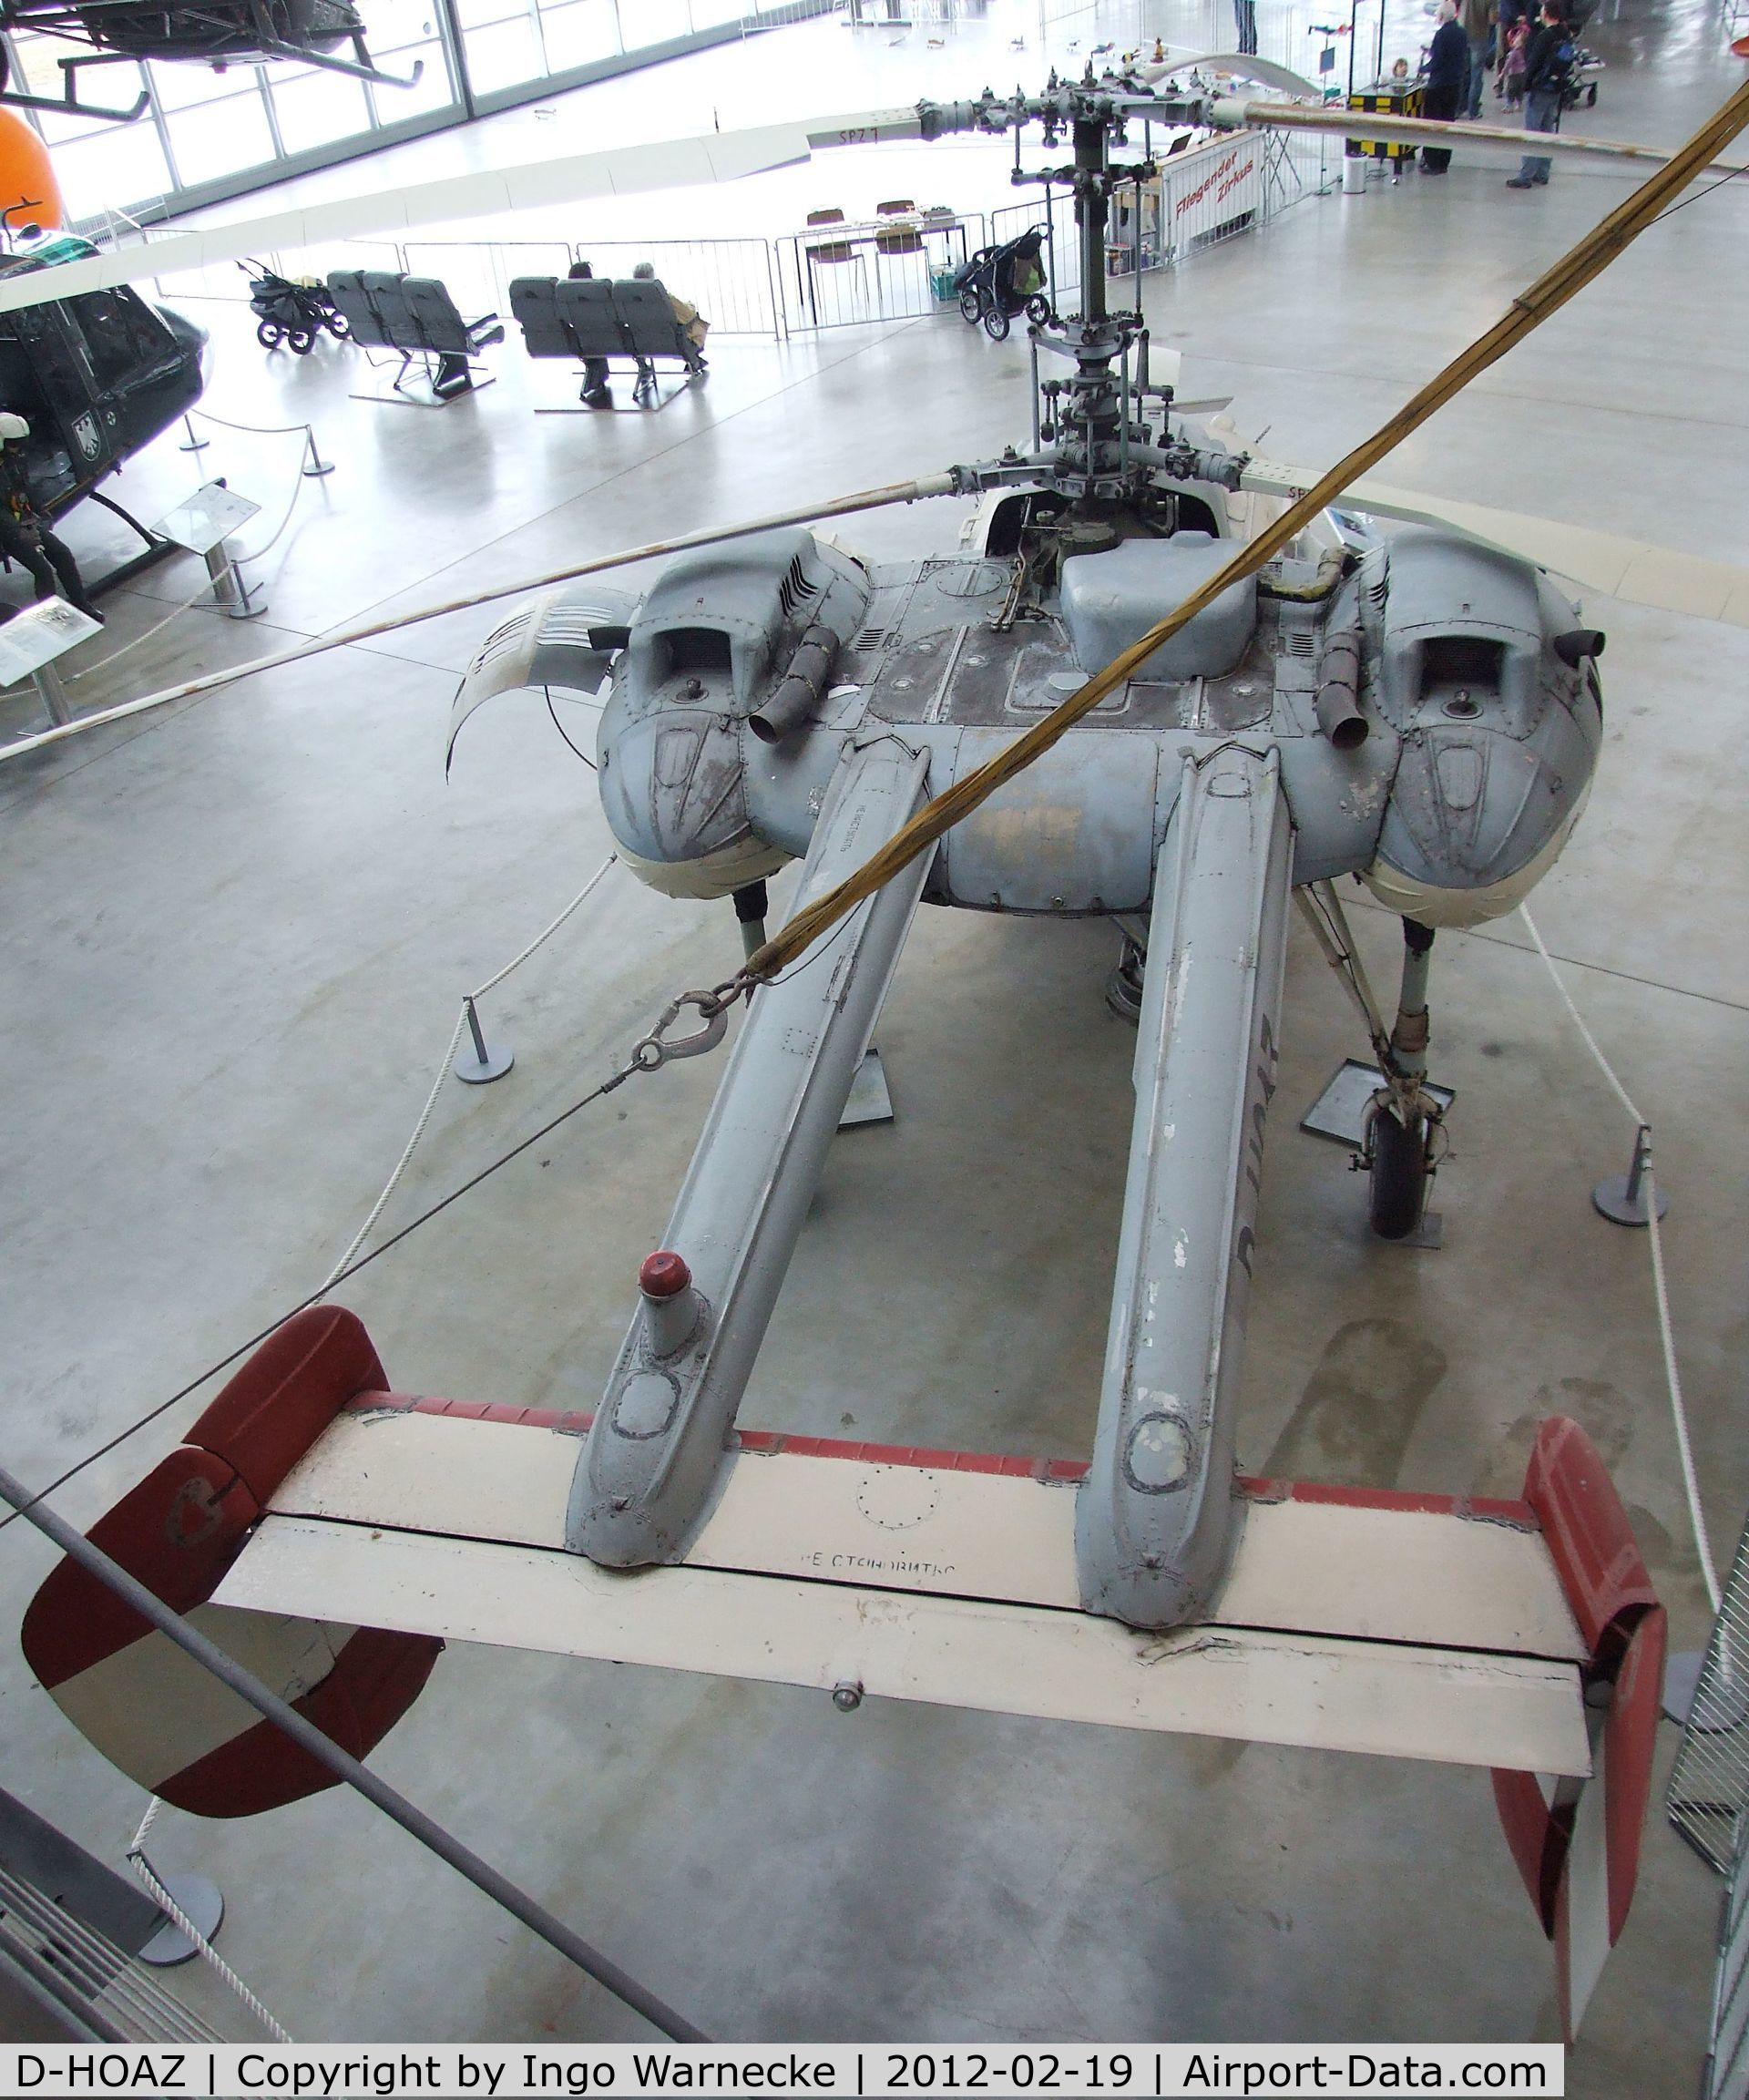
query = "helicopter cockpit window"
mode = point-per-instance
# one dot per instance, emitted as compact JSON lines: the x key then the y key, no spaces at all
{"x":121,"y":334}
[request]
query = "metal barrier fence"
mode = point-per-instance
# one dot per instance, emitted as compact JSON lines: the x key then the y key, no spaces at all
{"x":1726,"y":2074}
{"x":841,"y":274}
{"x":1708,"y":1798}
{"x":897,"y":269}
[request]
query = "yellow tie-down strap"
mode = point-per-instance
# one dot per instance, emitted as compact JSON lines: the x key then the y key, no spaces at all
{"x":1408,"y":1626}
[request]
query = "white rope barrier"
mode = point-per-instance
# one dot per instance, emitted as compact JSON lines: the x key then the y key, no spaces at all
{"x":445,"y":1067}
{"x":153,"y":1883}
{"x":1666,"y":1332}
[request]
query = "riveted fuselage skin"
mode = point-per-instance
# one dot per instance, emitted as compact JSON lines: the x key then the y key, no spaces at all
{"x":1479,"y":749}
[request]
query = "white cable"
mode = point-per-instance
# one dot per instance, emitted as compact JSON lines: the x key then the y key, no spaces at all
{"x":443,"y":1069}
{"x":154,"y":1885}
{"x":255,"y":553}
{"x":1666,"y":1333}
{"x":1679,"y":1413}
{"x":516,"y":962}
{"x":1603,"y":1064}
{"x":394,"y":1181}
{"x":116,"y":655}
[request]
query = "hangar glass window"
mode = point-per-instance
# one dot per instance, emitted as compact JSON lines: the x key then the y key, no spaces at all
{"x":581,"y":32}
{"x":501,"y":44}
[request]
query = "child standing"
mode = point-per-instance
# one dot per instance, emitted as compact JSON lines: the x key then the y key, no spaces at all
{"x":1512,"y":66}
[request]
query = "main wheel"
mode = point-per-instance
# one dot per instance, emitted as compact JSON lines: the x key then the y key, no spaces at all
{"x":301,"y":342}
{"x":1591,"y":95}
{"x":269,"y":335}
{"x":996,"y":325}
{"x":1039,"y":309}
{"x":1400,"y":1180}
{"x":337,"y":326}
{"x":970,"y":305}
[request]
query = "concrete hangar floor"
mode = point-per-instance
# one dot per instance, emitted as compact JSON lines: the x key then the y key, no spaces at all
{"x":235,"y":935}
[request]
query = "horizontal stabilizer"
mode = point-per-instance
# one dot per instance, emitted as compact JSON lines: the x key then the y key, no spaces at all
{"x":1407,"y":1625}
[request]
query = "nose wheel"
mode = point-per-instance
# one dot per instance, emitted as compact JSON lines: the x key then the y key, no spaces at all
{"x":1123,"y":985}
{"x":1399,"y":1149}
{"x":1398,"y":1156}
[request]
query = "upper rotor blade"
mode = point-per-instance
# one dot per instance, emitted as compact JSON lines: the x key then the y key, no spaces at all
{"x":1239,"y":65}
{"x":616,"y":172}
{"x":1236,"y":113}
{"x":1635,"y":570}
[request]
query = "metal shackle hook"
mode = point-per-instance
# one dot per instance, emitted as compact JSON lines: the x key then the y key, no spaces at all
{"x":654,"y":1051}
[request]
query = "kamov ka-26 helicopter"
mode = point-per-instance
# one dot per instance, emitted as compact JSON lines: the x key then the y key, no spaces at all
{"x":1421,"y":711}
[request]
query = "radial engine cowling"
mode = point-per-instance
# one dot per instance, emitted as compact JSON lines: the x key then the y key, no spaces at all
{"x":1501,"y":717}
{"x":727,"y":635}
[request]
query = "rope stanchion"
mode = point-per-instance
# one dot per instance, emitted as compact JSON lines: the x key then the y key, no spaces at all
{"x":447,"y":1065}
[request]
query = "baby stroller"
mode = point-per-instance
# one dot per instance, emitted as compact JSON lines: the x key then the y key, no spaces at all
{"x":294,"y":314}
{"x":998,"y":283}
{"x":1579,"y":91}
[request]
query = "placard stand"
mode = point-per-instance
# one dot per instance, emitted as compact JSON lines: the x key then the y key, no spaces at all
{"x":32,"y":640}
{"x":202,"y":525}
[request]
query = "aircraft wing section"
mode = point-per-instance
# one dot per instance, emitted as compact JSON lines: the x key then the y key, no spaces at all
{"x":1406,"y":1625}
{"x":1633,"y":569}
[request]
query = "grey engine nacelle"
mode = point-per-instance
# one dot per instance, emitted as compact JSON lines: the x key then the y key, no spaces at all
{"x":1500,"y":725}
{"x":731,"y":644}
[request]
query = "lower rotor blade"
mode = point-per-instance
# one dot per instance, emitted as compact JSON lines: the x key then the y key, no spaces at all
{"x":839,"y":507}
{"x":1635,"y":570}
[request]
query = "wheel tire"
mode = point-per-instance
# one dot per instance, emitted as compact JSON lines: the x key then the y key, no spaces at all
{"x":970,"y":306}
{"x":301,"y":342}
{"x":996,"y":325}
{"x":337,"y":326}
{"x":1400,"y":1176}
{"x":269,"y":335}
{"x":1590,"y":95}
{"x":1039,"y":309}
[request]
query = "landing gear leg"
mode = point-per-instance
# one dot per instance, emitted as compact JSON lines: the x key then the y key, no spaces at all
{"x":751,"y":905}
{"x":1401,"y":1127}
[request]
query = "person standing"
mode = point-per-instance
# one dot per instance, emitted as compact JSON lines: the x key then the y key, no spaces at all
{"x":1548,"y":62}
{"x":1473,"y":16}
{"x":1447,"y":76}
{"x":24,"y":534}
{"x":1245,"y":23}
